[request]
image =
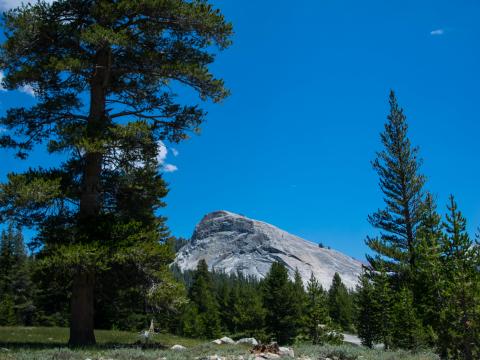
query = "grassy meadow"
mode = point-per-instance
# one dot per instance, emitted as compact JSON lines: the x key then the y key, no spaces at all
{"x":37,"y":343}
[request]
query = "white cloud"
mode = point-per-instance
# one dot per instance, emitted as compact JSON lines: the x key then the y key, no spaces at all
{"x":27,"y":89}
{"x":1,"y":79}
{"x":162,"y":152}
{"x":10,"y":4}
{"x":162,"y":156}
{"x":169,"y":168}
{"x":437,"y":32}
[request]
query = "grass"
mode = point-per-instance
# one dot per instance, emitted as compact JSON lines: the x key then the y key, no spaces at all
{"x":349,"y":352}
{"x":48,"y":337}
{"x":28,"y":343}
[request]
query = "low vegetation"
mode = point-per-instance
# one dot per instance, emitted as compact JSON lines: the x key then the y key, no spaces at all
{"x":28,"y":343}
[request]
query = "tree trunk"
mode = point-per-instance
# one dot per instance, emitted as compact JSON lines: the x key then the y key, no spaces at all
{"x":82,"y":303}
{"x":81,"y":326}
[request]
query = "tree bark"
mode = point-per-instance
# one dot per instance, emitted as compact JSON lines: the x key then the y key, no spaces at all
{"x":82,"y":302}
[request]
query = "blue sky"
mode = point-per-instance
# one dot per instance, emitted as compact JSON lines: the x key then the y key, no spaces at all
{"x":310,"y":80}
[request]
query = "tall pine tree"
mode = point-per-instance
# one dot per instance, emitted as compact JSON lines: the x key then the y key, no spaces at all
{"x":397,"y":166}
{"x":102,"y":72}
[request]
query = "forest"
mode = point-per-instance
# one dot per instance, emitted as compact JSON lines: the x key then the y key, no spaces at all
{"x":100,"y":258}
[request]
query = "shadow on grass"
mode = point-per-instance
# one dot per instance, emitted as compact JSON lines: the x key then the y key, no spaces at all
{"x":20,"y":345}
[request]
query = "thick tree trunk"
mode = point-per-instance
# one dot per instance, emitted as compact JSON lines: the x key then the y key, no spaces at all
{"x":81,"y":327}
{"x":82,"y":303}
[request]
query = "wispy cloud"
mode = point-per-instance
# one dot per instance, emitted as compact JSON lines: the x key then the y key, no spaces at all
{"x":1,"y":79}
{"x":162,"y":157}
{"x":162,"y":152}
{"x":10,"y":4}
{"x":27,"y":89}
{"x":169,"y":168}
{"x":437,"y":32}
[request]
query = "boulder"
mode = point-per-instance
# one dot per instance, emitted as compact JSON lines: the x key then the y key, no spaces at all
{"x":223,"y":340}
{"x":178,"y":347}
{"x":227,"y":340}
{"x":286,"y":351}
{"x":248,"y":341}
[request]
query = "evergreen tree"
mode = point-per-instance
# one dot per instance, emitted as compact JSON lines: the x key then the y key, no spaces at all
{"x":122,"y":56}
{"x":429,"y":278}
{"x":340,"y":304}
{"x":202,"y":296}
{"x":318,"y":324}
{"x":249,"y":314}
{"x":280,"y":304}
{"x":16,"y":288}
{"x":300,"y":298}
{"x":367,"y":321}
{"x":397,"y":165}
{"x":407,"y":332}
{"x":461,"y":314}
{"x":384,"y":298}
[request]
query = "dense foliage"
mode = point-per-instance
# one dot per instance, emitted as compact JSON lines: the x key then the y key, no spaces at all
{"x":422,"y":286}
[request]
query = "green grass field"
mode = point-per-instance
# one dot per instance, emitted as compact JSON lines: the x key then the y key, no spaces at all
{"x":28,"y":343}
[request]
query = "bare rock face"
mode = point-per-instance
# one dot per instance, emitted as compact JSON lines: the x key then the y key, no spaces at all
{"x":233,"y":243}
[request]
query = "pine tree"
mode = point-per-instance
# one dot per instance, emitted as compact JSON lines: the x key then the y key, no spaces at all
{"x":122,"y":56}
{"x":249,"y":314}
{"x":203,"y":297}
{"x":367,"y":321}
{"x":397,"y":165}
{"x":340,"y":304}
{"x":429,"y":277}
{"x":384,"y":299}
{"x":407,"y":331}
{"x":16,"y":288}
{"x":317,"y":320}
{"x":279,"y":302}
{"x":300,"y":298}
{"x":461,"y":314}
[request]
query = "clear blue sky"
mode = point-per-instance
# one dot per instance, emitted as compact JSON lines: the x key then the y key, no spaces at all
{"x":310,"y":80}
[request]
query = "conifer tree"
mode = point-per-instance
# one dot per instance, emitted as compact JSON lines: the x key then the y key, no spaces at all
{"x":384,"y":297}
{"x":461,"y":314}
{"x":429,"y":277}
{"x":407,"y":331}
{"x":340,"y":304}
{"x":248,"y":314}
{"x":300,"y":298}
{"x":16,"y":288}
{"x":367,"y":321}
{"x":202,"y":296}
{"x":397,"y":166}
{"x":317,"y":320}
{"x":279,"y":303}
{"x":101,"y":73}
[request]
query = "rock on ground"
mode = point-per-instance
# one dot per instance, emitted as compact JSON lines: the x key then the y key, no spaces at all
{"x":178,"y":347}
{"x":248,"y":341}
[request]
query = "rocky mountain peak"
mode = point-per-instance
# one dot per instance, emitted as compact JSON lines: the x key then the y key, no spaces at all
{"x":234,"y":243}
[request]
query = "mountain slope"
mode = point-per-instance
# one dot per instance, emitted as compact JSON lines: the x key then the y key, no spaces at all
{"x":231,"y":243}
